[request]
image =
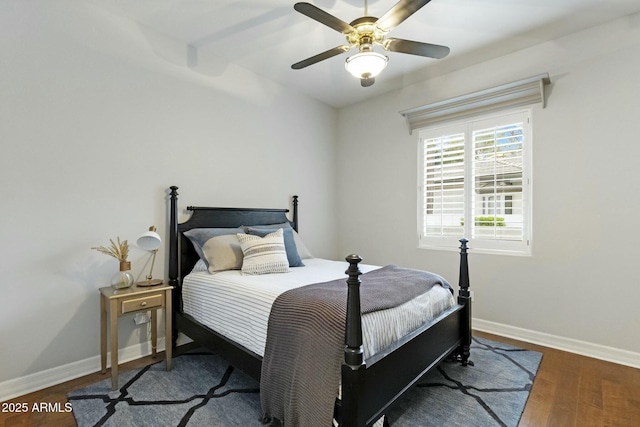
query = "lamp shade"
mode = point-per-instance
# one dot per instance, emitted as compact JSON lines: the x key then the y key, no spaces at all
{"x":150,"y":240}
{"x":365,"y":65}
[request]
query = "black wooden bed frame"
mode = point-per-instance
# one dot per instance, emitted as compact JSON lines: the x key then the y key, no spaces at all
{"x":368,"y":387}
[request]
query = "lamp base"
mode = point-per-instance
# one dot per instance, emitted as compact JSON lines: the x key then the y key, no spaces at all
{"x":152,"y":282}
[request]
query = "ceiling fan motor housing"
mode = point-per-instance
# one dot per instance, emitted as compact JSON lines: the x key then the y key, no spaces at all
{"x":366,"y":33}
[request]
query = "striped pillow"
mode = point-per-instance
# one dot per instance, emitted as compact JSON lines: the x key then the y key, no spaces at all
{"x":264,"y":255}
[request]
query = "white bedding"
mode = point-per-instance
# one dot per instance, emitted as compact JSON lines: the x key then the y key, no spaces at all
{"x":238,"y":306}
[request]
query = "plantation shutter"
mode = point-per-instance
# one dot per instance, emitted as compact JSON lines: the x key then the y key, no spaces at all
{"x":497,"y":170}
{"x":444,"y":185}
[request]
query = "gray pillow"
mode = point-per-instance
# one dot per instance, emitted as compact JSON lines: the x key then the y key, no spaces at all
{"x":300,"y":246}
{"x":289,"y":243}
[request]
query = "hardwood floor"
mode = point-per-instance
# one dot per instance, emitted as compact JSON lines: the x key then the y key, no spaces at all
{"x":574,"y":390}
{"x":569,"y":390}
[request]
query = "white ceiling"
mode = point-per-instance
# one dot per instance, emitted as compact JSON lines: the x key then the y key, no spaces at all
{"x":267,"y":36}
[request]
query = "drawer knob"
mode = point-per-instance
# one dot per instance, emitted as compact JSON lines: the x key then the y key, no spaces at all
{"x":143,"y":304}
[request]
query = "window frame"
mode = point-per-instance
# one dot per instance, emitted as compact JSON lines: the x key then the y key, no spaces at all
{"x":480,"y":245}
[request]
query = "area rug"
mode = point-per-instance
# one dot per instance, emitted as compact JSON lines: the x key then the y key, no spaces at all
{"x":203,"y":390}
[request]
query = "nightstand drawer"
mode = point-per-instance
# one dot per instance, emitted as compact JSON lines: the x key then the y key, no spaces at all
{"x":144,"y":303}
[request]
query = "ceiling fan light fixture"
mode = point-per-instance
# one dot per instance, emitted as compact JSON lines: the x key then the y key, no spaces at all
{"x":366,"y":64}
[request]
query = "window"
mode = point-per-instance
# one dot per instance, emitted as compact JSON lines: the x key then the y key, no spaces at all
{"x":474,"y":182}
{"x":501,"y":204}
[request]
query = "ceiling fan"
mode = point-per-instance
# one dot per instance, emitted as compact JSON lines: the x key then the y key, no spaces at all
{"x":366,"y":32}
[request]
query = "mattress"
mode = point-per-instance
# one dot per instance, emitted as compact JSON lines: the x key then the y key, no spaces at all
{"x":237,"y":306}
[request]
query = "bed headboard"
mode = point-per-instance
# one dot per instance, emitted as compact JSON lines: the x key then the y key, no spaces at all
{"x":182,"y":256}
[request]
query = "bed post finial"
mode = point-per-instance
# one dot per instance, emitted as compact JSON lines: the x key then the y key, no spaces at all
{"x":295,"y":213}
{"x":464,"y":269}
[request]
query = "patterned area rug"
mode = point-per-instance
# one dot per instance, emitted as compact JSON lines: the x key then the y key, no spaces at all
{"x":203,"y":390}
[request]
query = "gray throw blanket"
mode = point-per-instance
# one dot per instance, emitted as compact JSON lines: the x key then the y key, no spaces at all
{"x":305,"y":342}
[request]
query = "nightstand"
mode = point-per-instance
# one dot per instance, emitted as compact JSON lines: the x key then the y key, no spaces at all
{"x":136,"y":299}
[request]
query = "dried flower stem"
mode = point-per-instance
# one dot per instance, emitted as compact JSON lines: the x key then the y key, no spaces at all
{"x":119,"y":251}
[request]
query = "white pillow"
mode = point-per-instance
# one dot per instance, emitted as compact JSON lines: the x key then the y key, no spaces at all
{"x":302,"y":249}
{"x":264,"y":255}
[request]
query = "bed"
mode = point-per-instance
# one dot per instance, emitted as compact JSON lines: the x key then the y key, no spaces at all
{"x":371,"y":378}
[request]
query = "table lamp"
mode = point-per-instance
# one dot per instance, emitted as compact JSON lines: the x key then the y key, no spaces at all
{"x":150,"y":241}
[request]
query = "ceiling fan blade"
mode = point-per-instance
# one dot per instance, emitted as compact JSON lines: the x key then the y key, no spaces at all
{"x":398,"y":13}
{"x":320,"y":57}
{"x":367,"y":82}
{"x":323,"y":17}
{"x":416,"y":48}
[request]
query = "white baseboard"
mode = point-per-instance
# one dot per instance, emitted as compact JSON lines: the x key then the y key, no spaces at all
{"x":50,"y":377}
{"x":597,"y":351}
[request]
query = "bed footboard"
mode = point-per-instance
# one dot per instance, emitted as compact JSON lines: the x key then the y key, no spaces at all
{"x":368,"y":389}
